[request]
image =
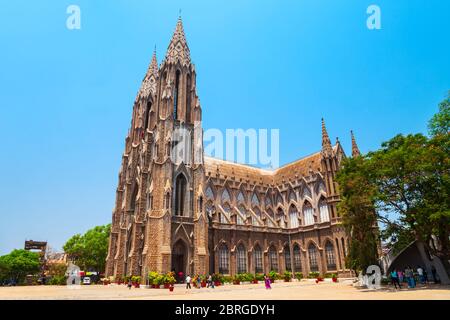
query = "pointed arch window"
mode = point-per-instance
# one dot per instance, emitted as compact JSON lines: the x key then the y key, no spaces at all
{"x":188,"y":98}
{"x":293,"y":216}
{"x":225,"y":196}
{"x":175,"y":95}
{"x":306,"y":192}
{"x":273,"y":259}
{"x":180,"y":195}
{"x":323,"y":209}
{"x":209,"y":193}
{"x":331,"y":260}
{"x":241,"y":259}
{"x":280,"y":218}
{"x":308,"y":214}
{"x":297,"y":259}
{"x":147,"y":115}
{"x":287,"y":258}
{"x":312,"y":252}
{"x":240,"y":197}
{"x":134,"y":198}
{"x":292,"y":196}
{"x":268,"y":200}
{"x":279,"y":199}
{"x":255,"y":200}
{"x":257,"y":255}
{"x":224,"y":259}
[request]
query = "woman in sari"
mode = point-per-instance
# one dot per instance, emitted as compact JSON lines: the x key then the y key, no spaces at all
{"x":267,"y":282}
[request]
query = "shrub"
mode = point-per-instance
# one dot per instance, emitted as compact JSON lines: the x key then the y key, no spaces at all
{"x":313,"y":274}
{"x":217,"y":277}
{"x":227,"y":279}
{"x":273,"y":275}
{"x":169,"y":278}
{"x":57,"y":280}
{"x":153,"y":277}
{"x":287,"y":275}
{"x":136,"y":279}
{"x":298,"y":275}
{"x":259,"y":276}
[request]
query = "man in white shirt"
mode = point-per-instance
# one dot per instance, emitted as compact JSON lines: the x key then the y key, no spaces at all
{"x":188,"y":282}
{"x":420,"y":272}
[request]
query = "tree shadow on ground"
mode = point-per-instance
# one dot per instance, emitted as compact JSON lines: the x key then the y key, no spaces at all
{"x":390,"y":288}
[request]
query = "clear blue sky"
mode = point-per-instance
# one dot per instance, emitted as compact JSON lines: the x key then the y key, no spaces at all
{"x":66,"y":96}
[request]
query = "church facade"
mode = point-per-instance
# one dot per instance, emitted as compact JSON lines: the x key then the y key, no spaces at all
{"x":216,"y":216}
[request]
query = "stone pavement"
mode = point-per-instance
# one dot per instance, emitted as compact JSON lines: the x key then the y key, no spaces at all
{"x":304,"y":290}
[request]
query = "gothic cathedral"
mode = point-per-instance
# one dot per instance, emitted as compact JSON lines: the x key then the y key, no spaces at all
{"x":211,"y":215}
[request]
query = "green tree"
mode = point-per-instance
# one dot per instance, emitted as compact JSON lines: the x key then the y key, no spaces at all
{"x":358,"y":214}
{"x":440,"y":123}
{"x":411,"y":176}
{"x":19,"y":263}
{"x":406,"y":182}
{"x":89,"y":251}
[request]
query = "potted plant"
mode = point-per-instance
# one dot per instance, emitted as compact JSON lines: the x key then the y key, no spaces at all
{"x":334,"y":277}
{"x":273,"y":275}
{"x":136,"y":281}
{"x":203,"y":281}
{"x":237,"y":279}
{"x":299,"y":276}
{"x":217,"y":278}
{"x":153,"y":278}
{"x":169,"y":280}
{"x":287,"y":276}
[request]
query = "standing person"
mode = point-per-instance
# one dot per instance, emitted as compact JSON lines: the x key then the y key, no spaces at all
{"x":425,"y":275}
{"x":394,"y":279}
{"x":400,"y":275}
{"x":267,"y":282}
{"x":199,"y":282}
{"x":420,"y":273}
{"x":410,"y":277}
{"x":188,"y":282}
{"x":209,"y":282}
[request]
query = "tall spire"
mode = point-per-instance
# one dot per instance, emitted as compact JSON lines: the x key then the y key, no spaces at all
{"x":178,"y":49}
{"x":327,"y":150}
{"x":149,"y":83}
{"x":355,"y":149}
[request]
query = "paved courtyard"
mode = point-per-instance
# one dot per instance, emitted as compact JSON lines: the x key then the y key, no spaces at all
{"x":304,"y":290}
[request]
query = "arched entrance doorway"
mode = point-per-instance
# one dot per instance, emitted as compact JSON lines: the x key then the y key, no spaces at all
{"x":179,"y":259}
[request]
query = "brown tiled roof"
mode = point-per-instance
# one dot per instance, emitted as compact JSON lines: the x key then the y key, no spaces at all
{"x":300,"y":167}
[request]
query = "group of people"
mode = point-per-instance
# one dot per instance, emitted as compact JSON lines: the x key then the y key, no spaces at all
{"x":409,"y":275}
{"x":198,"y":282}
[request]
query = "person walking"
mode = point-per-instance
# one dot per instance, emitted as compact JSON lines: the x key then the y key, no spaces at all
{"x":400,"y":275}
{"x":129,"y":284}
{"x":199,"y":282}
{"x":188,"y":282}
{"x":394,"y":279}
{"x":267,"y":282}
